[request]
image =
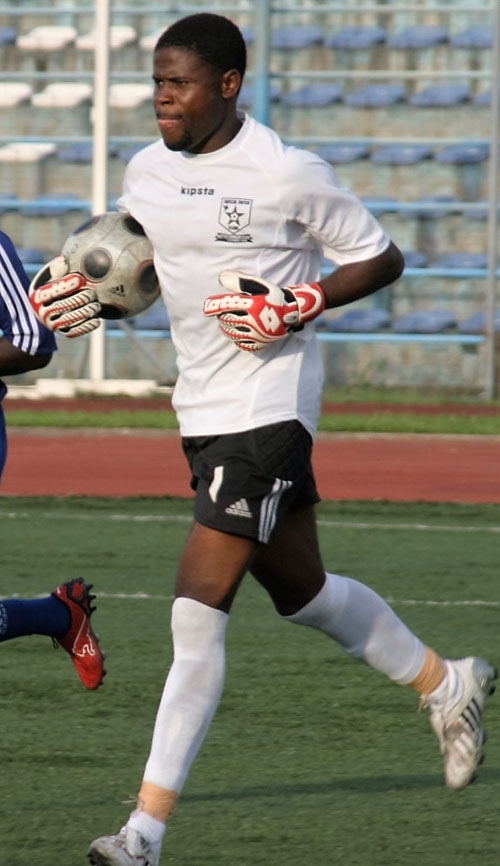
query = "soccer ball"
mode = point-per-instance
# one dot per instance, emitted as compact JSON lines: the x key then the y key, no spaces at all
{"x":112,"y":251}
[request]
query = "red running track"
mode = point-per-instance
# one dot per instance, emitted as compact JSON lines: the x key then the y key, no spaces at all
{"x":384,"y":467}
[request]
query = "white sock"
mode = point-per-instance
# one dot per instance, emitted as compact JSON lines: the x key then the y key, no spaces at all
{"x":191,"y":693}
{"x":149,"y":827}
{"x":365,"y":626}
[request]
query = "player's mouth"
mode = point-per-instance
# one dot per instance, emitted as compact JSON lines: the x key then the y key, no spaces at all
{"x":168,"y":123}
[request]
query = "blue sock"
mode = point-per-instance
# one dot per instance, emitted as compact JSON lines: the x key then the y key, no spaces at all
{"x":19,"y":617}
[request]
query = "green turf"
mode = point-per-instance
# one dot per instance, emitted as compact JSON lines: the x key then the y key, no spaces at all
{"x":332,"y":422}
{"x":312,"y":758}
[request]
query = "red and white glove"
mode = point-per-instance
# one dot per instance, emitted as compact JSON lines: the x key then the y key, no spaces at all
{"x":256,"y":312}
{"x":63,"y":301}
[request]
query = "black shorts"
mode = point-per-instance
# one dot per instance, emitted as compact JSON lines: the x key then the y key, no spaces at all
{"x":245,"y":481}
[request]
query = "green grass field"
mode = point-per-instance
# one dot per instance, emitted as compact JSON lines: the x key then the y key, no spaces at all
{"x":312,"y":758}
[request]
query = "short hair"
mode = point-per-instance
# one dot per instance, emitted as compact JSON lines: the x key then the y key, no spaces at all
{"x":216,"y":40}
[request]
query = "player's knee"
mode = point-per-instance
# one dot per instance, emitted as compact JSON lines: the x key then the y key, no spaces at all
{"x":196,"y":627}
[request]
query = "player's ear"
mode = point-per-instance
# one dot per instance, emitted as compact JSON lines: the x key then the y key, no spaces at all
{"x":230,"y":83}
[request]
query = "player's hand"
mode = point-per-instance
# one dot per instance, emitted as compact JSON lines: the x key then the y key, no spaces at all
{"x":63,"y":301}
{"x":257,"y":312}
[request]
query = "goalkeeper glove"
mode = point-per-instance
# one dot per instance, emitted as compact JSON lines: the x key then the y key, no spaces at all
{"x":63,"y":301}
{"x":257,"y":312}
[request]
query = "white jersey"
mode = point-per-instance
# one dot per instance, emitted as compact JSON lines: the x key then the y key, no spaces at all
{"x":258,"y":206}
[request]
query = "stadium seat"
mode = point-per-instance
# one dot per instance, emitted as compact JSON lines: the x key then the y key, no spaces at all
{"x":155,"y":318}
{"x":315,"y":95}
{"x":418,"y":37}
{"x":64,"y":106}
{"x":13,"y":93}
{"x":132,"y":105}
{"x":21,"y":170}
{"x":401,"y":154}
{"x":341,"y":154}
{"x":130,"y":95}
{"x":462,"y":261}
{"x":480,"y":36}
{"x":51,"y":204}
{"x":425,"y":322}
{"x":356,"y":38}
{"x":63,"y":95}
{"x":8,"y":36}
{"x":49,"y":38}
{"x":120,"y":37}
{"x":441,"y":96}
{"x":464,"y":153}
{"x":483,"y":98}
{"x":361,"y":321}
{"x":31,"y":255}
{"x":435,"y":212}
{"x":126,"y":153}
{"x":415,"y":259}
{"x":376,"y":96}
{"x":245,"y":96}
{"x":296,"y":38}
{"x":476,"y":324}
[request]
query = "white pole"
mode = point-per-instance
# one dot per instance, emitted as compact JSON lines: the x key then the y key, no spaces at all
{"x":491,"y":292}
{"x":100,"y":157}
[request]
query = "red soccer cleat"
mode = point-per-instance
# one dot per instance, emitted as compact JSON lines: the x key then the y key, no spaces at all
{"x":80,"y":641}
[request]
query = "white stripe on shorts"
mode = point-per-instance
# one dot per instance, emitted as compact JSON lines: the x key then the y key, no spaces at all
{"x":269,"y":508}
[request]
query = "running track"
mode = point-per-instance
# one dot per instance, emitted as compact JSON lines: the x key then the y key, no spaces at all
{"x":384,"y":467}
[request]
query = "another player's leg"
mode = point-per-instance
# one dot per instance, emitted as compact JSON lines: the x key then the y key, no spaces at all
{"x":65,"y":616}
{"x":368,"y":629}
{"x":212,"y":567}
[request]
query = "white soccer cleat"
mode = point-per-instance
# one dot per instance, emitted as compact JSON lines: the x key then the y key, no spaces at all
{"x":456,"y":718}
{"x":128,"y":848}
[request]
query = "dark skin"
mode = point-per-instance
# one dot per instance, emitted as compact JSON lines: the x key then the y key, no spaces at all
{"x":14,"y":361}
{"x":196,"y":111}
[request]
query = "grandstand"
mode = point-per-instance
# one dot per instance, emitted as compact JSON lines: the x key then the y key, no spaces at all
{"x":400,"y":97}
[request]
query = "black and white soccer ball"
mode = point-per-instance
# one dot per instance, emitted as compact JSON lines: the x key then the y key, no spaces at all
{"x":113,"y":253}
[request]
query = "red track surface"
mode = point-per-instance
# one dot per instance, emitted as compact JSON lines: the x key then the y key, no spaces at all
{"x":397,"y":468}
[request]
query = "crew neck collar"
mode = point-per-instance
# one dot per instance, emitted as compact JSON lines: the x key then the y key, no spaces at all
{"x":221,"y":152}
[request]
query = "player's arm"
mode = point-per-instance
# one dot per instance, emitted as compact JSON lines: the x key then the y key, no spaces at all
{"x":63,"y":301}
{"x":359,"y":279}
{"x":14,"y":361}
{"x":257,"y":312}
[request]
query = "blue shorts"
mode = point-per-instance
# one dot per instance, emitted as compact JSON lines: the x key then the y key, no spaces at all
{"x":245,"y":481}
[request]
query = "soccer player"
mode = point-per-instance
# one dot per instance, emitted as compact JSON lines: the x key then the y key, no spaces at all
{"x":226,"y":203}
{"x":64,"y":615}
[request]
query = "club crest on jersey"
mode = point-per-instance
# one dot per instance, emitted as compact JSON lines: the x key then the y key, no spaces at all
{"x":234,"y":216}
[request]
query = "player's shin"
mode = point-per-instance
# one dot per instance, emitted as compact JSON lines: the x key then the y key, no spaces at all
{"x":190,"y":698}
{"x":365,"y":626}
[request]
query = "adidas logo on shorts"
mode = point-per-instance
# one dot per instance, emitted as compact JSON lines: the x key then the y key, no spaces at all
{"x":239,"y":508}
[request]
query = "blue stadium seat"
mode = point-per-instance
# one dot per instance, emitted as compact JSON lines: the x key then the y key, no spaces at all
{"x":155,"y":318}
{"x":295,"y":38}
{"x":51,"y":204}
{"x":480,"y":36}
{"x":402,"y":154}
{"x":7,"y":36}
{"x":462,"y":261}
{"x":356,"y":38}
{"x":476,"y":324}
{"x":362,"y":321}
{"x":376,"y":96}
{"x":425,"y":322}
{"x":8,"y":201}
{"x":245,"y":96}
{"x":314,"y":95}
{"x":483,"y":98}
{"x":418,"y":37}
{"x":81,"y":152}
{"x":464,"y":153}
{"x":415,"y":259}
{"x":31,"y":256}
{"x":441,"y":96}
{"x":341,"y":154}
{"x":126,"y":153}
